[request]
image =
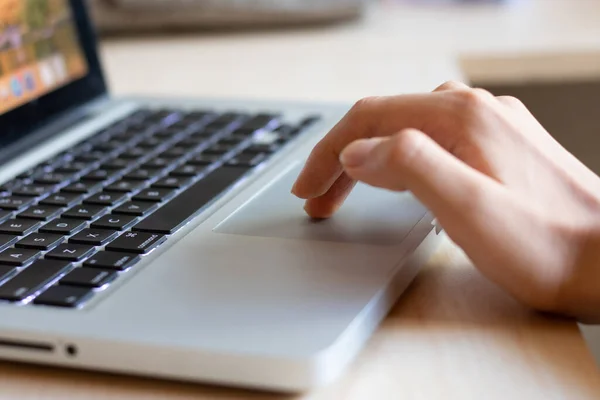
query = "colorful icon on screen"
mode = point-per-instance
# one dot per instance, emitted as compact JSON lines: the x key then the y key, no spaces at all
{"x":29,"y":81}
{"x":15,"y":85}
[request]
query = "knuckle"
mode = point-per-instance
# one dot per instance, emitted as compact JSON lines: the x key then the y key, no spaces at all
{"x":511,"y":101}
{"x":363,"y":105}
{"x":406,"y":148}
{"x":472,"y":99}
{"x":450,"y":85}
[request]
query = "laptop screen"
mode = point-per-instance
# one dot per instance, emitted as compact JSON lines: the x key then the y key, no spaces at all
{"x":49,"y":69}
{"x":39,"y":50}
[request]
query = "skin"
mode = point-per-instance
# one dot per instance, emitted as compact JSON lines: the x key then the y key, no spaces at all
{"x":525,"y":211}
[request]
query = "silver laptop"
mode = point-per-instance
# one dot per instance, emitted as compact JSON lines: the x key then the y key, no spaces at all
{"x":159,"y":237}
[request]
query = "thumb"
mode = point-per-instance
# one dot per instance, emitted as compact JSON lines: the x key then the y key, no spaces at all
{"x":452,"y":190}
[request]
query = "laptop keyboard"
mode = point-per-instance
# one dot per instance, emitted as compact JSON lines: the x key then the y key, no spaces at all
{"x":72,"y":225}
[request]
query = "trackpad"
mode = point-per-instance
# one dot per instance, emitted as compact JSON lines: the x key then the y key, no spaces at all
{"x":369,"y":215}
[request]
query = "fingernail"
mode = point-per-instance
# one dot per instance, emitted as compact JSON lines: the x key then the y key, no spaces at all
{"x":357,"y":153}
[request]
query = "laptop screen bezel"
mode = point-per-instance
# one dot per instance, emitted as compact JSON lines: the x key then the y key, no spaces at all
{"x":17,"y":124}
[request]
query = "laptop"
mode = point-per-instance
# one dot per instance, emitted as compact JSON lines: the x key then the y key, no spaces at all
{"x":158,"y":237}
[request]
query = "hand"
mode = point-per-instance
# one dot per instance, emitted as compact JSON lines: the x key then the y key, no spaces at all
{"x":524,"y":210}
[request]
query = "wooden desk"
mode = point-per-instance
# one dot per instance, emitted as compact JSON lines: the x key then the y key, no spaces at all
{"x":453,"y":335}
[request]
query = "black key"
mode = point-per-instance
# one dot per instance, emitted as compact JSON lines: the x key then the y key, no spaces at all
{"x":40,"y":212}
{"x":32,"y":279}
{"x":100,"y":175}
{"x":154,"y":195}
{"x":88,"y":277}
{"x":218,"y":149}
{"x":157,"y":163}
{"x":137,"y":208}
{"x":6,"y":272}
{"x":258,"y":121}
{"x":124,"y":186}
{"x":7,"y":240}
{"x":182,"y":208}
{"x":53,"y":178}
{"x":64,"y":296}
{"x":136,"y":242}
{"x":75,"y":167}
{"x":105,"y":198}
{"x":33,"y":190}
{"x":142,"y":174}
{"x":71,"y":252}
{"x":172,"y":182}
{"x":87,"y":212}
{"x":92,"y":156}
{"x":188,"y":170}
{"x":18,"y":226}
{"x":149,"y":144}
{"x":262,"y":148}
{"x":62,"y":199}
{"x":107,"y":147}
{"x":232,"y":140}
{"x":133,"y":154}
{"x":114,"y":222}
{"x":311,"y":119}
{"x":204,"y":159}
{"x":175,"y":152}
{"x":4,"y":215}
{"x":63,"y":226}
{"x":40,"y":241}
{"x":247,"y":160}
{"x":18,"y":257}
{"x":15,"y":202}
{"x":117,"y":163}
{"x":112,"y":260}
{"x":94,"y":237}
{"x":83,"y":186}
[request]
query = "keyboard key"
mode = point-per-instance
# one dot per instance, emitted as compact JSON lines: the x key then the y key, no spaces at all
{"x":65,"y":226}
{"x":136,"y":242}
{"x":114,"y":222}
{"x":87,"y":212}
{"x":182,"y":208}
{"x":64,"y":296}
{"x":218,"y":149}
{"x":262,"y":148}
{"x":154,"y":194}
{"x":157,"y":163}
{"x":18,"y":227}
{"x":94,"y":237}
{"x":15,"y":202}
{"x":62,"y":199}
{"x":88,"y":277}
{"x":137,"y":208}
{"x":33,"y":190}
{"x":7,"y":240}
{"x":105,"y":199}
{"x":40,"y":241}
{"x":32,"y":279}
{"x":82,"y":186}
{"x":309,"y":120}
{"x":53,"y":178}
{"x":6,"y":272}
{"x":142,"y":174}
{"x":4,"y":215}
{"x":112,"y":260}
{"x":188,"y":170}
{"x":116,"y":163}
{"x":124,"y":186}
{"x":259,"y":121}
{"x":71,"y":252}
{"x":74,"y":167}
{"x":204,"y":159}
{"x":175,"y":152}
{"x":40,"y":212}
{"x":133,"y":153}
{"x":247,"y":160}
{"x":172,"y":182}
{"x":18,"y":257}
{"x":100,"y":175}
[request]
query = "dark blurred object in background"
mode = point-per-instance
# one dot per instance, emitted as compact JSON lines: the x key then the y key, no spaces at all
{"x":118,"y":16}
{"x":568,"y":110}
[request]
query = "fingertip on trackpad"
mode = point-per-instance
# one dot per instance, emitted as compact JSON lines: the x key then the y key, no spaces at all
{"x":369,"y":216}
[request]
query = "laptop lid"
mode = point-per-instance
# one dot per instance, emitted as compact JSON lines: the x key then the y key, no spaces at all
{"x":48,"y":65}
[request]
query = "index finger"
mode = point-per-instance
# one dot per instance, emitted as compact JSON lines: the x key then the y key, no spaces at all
{"x":369,"y":117}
